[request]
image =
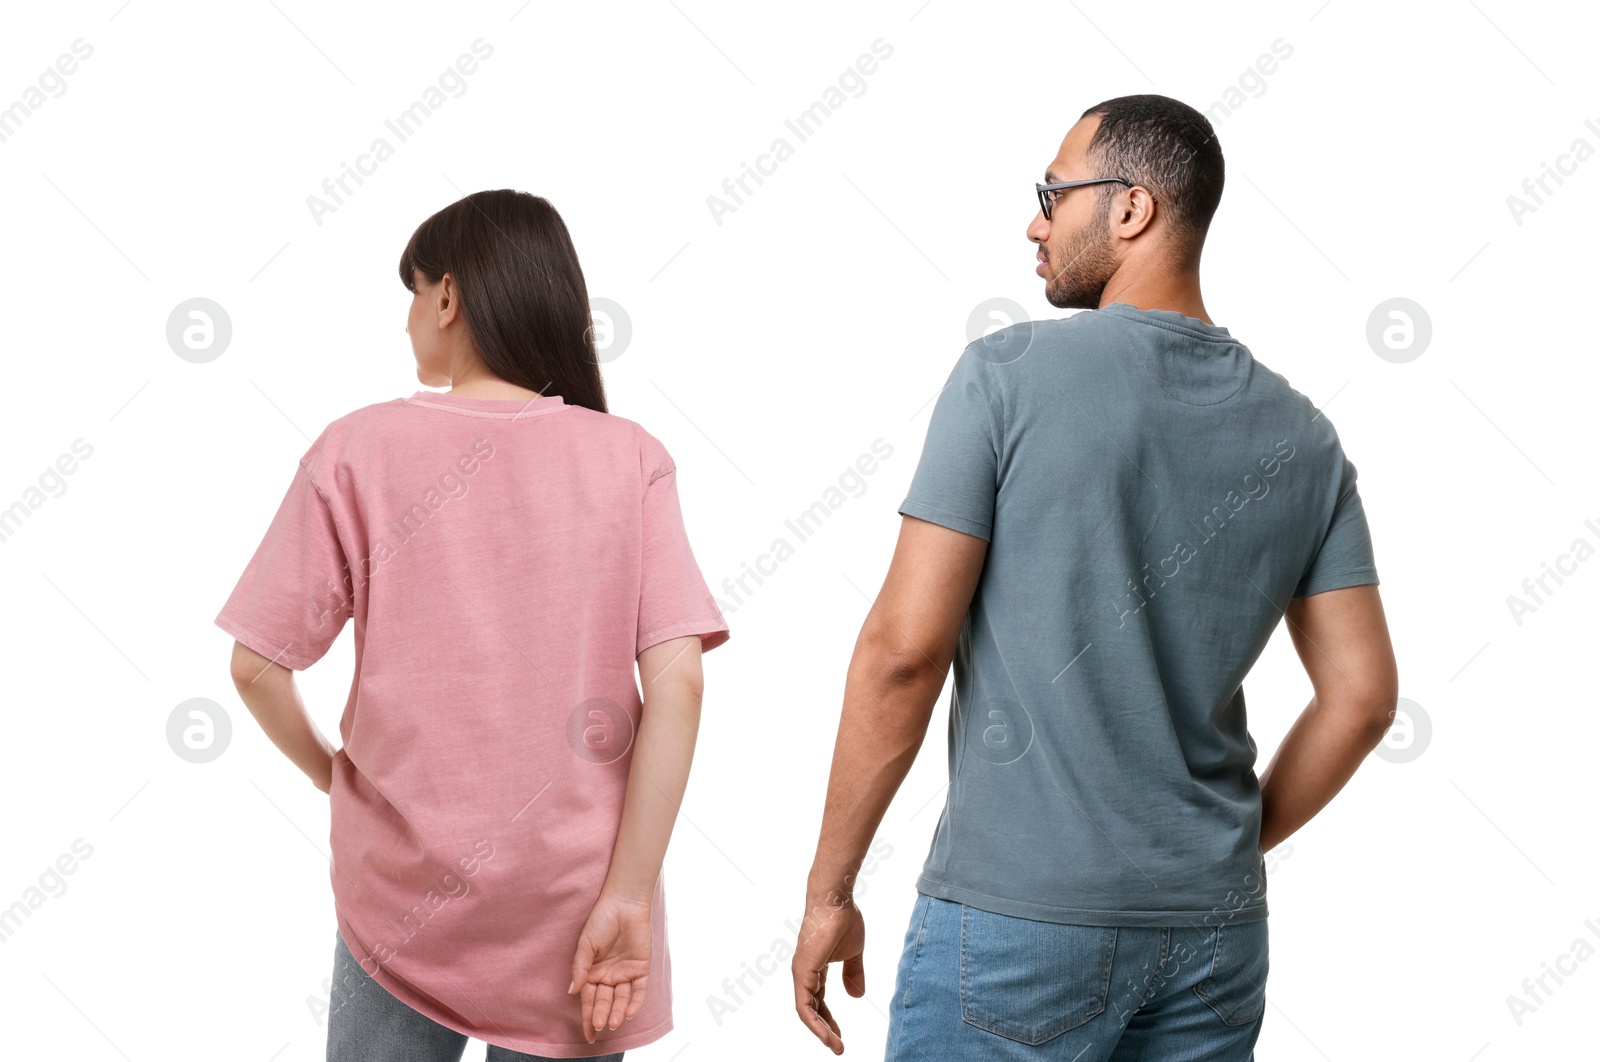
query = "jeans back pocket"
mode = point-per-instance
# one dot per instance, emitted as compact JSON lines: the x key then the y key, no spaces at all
{"x":1030,"y":981}
{"x":1236,"y":987}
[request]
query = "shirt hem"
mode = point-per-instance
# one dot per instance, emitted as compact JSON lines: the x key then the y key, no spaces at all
{"x":1358,"y":577}
{"x":560,"y":1049}
{"x":944,"y":518}
{"x":1040,"y":912}
{"x":711,"y":636}
{"x":288,"y":658}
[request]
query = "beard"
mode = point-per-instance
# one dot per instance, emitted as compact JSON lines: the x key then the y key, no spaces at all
{"x":1086,"y":264}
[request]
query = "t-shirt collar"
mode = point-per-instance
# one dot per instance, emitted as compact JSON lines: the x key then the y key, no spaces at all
{"x":505,"y":407}
{"x":1173,"y":319}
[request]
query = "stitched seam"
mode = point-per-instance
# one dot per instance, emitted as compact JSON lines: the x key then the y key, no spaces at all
{"x":916,"y":951}
{"x":961,"y":950}
{"x":1161,"y":964}
{"x":1211,"y":972}
{"x":1171,"y":917}
{"x":1015,"y":1031}
{"x":1365,"y":569}
{"x":282,"y":656}
{"x":1105,"y":986}
{"x":951,"y":512}
{"x":1227,"y":1018}
{"x":524,"y":415}
{"x":1172,"y":327}
{"x":684,"y":625}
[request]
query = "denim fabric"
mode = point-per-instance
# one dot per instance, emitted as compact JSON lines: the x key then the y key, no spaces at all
{"x":974,"y":985}
{"x":368,"y":1024}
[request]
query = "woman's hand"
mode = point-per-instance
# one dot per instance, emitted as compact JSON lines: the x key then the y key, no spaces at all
{"x":612,"y":965}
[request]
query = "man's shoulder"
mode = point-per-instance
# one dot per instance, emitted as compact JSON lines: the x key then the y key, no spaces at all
{"x":1011,"y":344}
{"x":1275,"y":387}
{"x":1011,"y":358}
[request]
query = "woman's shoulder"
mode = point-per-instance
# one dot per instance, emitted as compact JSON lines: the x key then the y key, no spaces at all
{"x":352,"y":425}
{"x":369,"y":411}
{"x":612,"y":430}
{"x":624,"y":429}
{"x":627,"y":436}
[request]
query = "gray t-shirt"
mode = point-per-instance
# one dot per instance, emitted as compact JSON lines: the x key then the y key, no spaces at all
{"x":1153,"y":497}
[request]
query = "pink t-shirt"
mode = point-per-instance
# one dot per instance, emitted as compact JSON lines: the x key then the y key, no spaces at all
{"x":505,"y":562}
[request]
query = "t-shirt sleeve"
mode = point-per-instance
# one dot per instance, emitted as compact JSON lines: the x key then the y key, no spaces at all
{"x":1345,"y":556}
{"x":673,"y":599}
{"x":294,"y":596}
{"x":957,"y":476}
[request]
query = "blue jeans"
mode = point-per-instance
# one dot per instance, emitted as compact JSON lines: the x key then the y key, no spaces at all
{"x":977,"y":985}
{"x":366,"y":1023}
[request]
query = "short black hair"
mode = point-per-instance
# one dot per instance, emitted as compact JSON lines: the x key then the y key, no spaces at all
{"x":1170,"y":148}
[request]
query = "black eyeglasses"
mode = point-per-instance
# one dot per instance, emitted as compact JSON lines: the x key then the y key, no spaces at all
{"x":1046,"y":200}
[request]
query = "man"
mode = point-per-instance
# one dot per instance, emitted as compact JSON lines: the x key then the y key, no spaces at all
{"x":1111,"y":513}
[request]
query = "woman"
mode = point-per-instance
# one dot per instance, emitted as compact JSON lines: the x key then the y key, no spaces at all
{"x":508,"y":549}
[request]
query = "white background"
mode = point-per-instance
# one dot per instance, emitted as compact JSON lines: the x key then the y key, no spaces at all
{"x":768,"y":352}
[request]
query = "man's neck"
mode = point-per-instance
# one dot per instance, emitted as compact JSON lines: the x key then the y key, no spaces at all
{"x":1180,"y":294}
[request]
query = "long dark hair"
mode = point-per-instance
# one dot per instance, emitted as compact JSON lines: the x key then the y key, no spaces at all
{"x":523,"y":296}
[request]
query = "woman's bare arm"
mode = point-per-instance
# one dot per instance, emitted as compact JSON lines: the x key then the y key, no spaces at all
{"x":268,"y":690}
{"x":672,"y":684}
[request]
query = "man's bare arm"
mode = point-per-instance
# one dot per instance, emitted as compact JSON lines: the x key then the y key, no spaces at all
{"x":896,"y":672}
{"x":1343,"y":641}
{"x":895,"y":675}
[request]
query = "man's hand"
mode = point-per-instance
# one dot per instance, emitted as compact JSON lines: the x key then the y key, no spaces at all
{"x":829,"y":933}
{"x":612,"y":965}
{"x":899,"y":665}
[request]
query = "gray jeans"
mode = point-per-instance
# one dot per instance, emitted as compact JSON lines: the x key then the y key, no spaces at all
{"x":368,"y":1024}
